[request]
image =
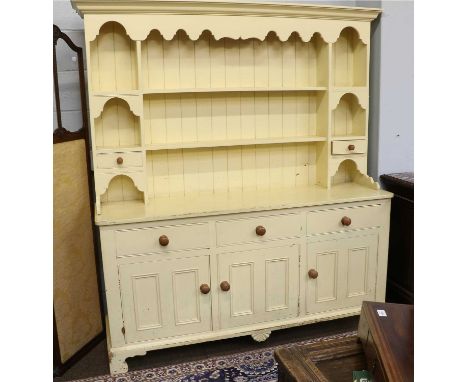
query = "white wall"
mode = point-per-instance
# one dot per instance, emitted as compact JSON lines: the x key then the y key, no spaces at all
{"x":391,"y":128}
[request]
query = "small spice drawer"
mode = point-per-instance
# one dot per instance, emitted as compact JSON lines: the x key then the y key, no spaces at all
{"x":338,"y":219}
{"x":357,"y":146}
{"x":162,"y":239}
{"x":119,"y":160}
{"x":259,"y":229}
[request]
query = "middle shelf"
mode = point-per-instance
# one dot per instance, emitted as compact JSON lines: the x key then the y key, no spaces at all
{"x":233,"y":142}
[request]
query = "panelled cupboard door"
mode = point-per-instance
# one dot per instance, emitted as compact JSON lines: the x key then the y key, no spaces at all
{"x":347,"y":271}
{"x":264,"y":285}
{"x":163,"y":298}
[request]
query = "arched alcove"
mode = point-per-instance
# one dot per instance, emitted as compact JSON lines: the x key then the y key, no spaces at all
{"x":350,"y":59}
{"x":117,"y":126}
{"x":113,"y":60}
{"x":121,"y":188}
{"x":349,"y":118}
{"x":346,"y":173}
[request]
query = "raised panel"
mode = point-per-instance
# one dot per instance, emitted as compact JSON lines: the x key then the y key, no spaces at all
{"x":186,"y":296}
{"x":242,"y":294}
{"x":147,"y":301}
{"x":359,"y":269}
{"x":277,"y":284}
{"x":327,"y":266}
{"x":358,"y":261}
{"x":264,"y":285}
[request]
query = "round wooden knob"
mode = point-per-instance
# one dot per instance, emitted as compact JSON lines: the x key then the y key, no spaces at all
{"x":163,"y":240}
{"x":205,"y":288}
{"x":351,"y":147}
{"x":313,"y":274}
{"x":119,"y":160}
{"x":225,"y":286}
{"x":260,"y":230}
{"x":345,"y":221}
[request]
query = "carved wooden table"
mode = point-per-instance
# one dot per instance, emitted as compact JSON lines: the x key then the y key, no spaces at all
{"x":384,"y":346}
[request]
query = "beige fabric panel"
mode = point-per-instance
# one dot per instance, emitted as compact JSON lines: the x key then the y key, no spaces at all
{"x":76,"y":295}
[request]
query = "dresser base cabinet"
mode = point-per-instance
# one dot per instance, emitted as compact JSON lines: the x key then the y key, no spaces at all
{"x":188,"y":288}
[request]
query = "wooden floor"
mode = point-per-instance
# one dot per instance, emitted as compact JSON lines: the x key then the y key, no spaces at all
{"x":95,"y":363}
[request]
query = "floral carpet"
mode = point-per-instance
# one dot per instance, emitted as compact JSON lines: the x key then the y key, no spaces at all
{"x":255,"y":366}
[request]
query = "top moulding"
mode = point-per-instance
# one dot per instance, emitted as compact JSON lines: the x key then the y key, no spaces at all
{"x":349,"y":59}
{"x":113,"y":60}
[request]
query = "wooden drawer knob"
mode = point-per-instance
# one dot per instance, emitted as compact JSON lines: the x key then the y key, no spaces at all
{"x":119,"y":160}
{"x":225,"y":286}
{"x":163,"y":240}
{"x":346,"y":221}
{"x":205,"y":288}
{"x":260,"y":230}
{"x":351,"y":147}
{"x":313,"y":274}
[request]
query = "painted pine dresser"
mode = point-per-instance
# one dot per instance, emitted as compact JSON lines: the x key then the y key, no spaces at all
{"x":230,"y":157}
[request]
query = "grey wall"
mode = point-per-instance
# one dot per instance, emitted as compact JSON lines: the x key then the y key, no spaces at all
{"x":391,"y":129}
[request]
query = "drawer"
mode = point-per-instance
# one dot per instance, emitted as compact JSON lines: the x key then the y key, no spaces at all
{"x":245,"y":230}
{"x":119,"y":159}
{"x":145,"y":240}
{"x":334,"y":219}
{"x":357,"y":146}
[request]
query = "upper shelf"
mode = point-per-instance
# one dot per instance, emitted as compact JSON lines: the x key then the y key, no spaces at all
{"x":212,"y":90}
{"x":236,"y":89}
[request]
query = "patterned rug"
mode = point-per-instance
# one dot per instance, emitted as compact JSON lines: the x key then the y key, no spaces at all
{"x":254,"y":366}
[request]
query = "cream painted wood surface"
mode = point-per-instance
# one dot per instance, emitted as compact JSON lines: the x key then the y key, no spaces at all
{"x":263,"y":285}
{"x":162,"y":298}
{"x":208,"y":120}
{"x":348,"y":264}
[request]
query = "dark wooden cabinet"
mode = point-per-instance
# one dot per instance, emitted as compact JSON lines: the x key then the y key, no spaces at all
{"x":400,"y":274}
{"x":386,"y":332}
{"x":384,"y":346}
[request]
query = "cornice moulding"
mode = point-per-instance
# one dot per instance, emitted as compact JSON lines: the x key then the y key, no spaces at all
{"x":244,"y":8}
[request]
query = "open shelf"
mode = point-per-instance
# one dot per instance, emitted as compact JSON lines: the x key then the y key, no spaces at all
{"x":117,"y":126}
{"x":349,"y":118}
{"x":113,"y":149}
{"x":117,"y":93}
{"x":233,"y":142}
{"x":347,"y":137}
{"x":247,"y":200}
{"x":233,"y":117}
{"x":121,"y":188}
{"x":349,"y":59}
{"x":181,"y":63}
{"x":113,"y":60}
{"x":237,"y":89}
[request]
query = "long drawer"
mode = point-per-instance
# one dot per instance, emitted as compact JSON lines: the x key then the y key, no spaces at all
{"x":257,"y":229}
{"x":338,"y":219}
{"x":162,"y":239}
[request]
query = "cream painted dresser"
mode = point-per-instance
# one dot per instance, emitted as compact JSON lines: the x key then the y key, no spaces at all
{"x":230,"y":159}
